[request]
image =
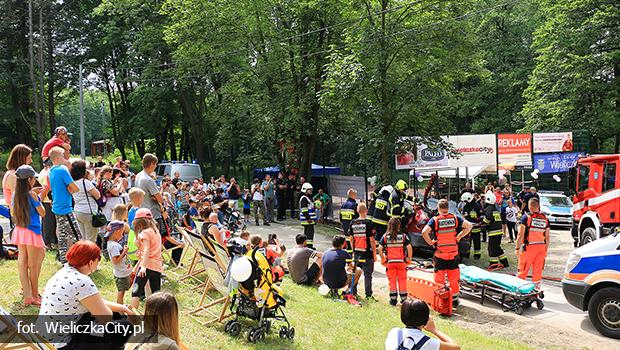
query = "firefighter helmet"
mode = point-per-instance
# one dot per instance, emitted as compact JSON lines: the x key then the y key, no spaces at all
{"x":401,"y":185}
{"x":489,"y":198}
{"x":467,"y":197}
{"x":305,"y":187}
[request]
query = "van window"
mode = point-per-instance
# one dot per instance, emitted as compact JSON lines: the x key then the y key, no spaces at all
{"x":584,"y":174}
{"x":609,"y":177}
{"x":188,"y":171}
{"x":160,"y":170}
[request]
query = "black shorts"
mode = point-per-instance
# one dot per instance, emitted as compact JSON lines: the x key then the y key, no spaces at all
{"x":246,"y":211}
{"x":441,"y":264}
{"x":312,"y":274}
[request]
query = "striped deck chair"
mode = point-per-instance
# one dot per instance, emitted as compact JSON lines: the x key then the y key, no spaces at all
{"x":11,"y":339}
{"x":214,"y":258}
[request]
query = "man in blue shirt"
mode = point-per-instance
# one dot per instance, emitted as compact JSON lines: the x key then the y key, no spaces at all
{"x":335,"y":272}
{"x":62,"y":187}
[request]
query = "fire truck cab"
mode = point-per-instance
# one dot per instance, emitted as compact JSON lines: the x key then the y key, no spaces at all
{"x":596,"y":204}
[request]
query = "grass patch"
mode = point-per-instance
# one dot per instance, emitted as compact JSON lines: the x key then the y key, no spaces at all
{"x":320,"y":323}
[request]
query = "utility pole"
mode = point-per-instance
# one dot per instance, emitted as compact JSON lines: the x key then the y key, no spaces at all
{"x":82,"y":137}
{"x":33,"y":82}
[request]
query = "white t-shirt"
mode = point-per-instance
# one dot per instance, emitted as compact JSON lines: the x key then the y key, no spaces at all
{"x":258,"y":195}
{"x":393,"y":339}
{"x":62,"y":296}
{"x":511,"y":214}
{"x":123,"y":268}
{"x":82,"y":198}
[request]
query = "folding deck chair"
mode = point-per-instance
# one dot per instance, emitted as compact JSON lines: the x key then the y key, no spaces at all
{"x":11,"y":339}
{"x":214,"y":260}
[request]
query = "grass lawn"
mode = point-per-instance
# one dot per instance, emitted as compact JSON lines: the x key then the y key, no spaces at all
{"x":320,"y":323}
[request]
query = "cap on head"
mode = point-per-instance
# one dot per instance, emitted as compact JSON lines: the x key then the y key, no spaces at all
{"x":60,"y":130}
{"x":143,"y":213}
{"x":114,"y":226}
{"x":25,"y":172}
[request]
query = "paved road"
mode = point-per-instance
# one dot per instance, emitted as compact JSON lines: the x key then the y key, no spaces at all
{"x":559,"y":325}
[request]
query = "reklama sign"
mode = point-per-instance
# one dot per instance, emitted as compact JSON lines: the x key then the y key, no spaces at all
{"x":514,"y":150}
{"x":553,"y":142}
{"x":423,"y":157}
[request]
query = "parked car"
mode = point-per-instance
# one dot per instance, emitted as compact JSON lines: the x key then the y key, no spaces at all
{"x":592,"y":282}
{"x":557,"y":207}
{"x":188,"y":171}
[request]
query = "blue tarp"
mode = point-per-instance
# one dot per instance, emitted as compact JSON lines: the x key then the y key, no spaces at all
{"x":317,"y":170}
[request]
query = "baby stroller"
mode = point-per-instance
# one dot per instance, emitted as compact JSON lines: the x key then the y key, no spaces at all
{"x":259,"y":299}
{"x":232,"y":219}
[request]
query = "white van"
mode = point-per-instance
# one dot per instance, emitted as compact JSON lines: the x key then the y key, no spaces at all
{"x":188,"y":171}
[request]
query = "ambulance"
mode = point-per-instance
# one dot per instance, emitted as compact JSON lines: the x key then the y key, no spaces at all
{"x":592,"y":282}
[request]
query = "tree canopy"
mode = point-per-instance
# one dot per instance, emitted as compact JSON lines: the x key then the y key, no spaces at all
{"x":234,"y":84}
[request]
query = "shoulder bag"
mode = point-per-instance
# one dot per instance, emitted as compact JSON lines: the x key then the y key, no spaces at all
{"x":98,"y":219}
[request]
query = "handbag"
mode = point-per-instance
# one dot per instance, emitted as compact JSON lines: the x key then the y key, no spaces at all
{"x":98,"y":219}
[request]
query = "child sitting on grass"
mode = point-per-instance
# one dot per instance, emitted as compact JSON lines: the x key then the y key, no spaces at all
{"x":151,"y":263}
{"x":415,"y":315}
{"x":118,"y":255}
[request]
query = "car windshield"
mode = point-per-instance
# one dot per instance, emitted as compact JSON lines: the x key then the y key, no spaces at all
{"x":556,"y":201}
{"x":189,"y":171}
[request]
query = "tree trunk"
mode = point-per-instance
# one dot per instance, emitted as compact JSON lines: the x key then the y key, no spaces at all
{"x":33,"y":83}
{"x":141,"y":147}
{"x":41,"y":74}
{"x":170,"y":128}
{"x":51,"y":78}
{"x":194,"y":110}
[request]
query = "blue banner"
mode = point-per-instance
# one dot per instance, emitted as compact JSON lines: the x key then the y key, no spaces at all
{"x":553,"y":163}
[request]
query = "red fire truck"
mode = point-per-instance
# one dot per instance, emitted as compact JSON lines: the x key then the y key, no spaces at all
{"x":596,"y":206}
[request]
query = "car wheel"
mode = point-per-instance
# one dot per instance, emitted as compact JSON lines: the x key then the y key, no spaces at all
{"x":604,"y":311}
{"x":588,"y":235}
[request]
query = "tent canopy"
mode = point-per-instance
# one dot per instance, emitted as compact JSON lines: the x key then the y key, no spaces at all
{"x":471,"y":171}
{"x":317,"y":170}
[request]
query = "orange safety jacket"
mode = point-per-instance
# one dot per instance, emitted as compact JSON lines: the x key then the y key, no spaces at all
{"x":536,"y":228}
{"x":447,"y":247}
{"x":360,"y":239}
{"x":395,"y":249}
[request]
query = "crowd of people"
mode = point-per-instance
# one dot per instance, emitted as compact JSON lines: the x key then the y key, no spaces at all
{"x":93,"y":211}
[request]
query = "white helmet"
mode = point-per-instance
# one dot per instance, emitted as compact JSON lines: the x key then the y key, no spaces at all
{"x":467,"y":197}
{"x":489,"y":198}
{"x":305,"y":187}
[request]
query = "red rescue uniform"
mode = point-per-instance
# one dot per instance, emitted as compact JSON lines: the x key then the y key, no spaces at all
{"x":534,"y":249}
{"x":396,"y":265}
{"x":446,"y":258}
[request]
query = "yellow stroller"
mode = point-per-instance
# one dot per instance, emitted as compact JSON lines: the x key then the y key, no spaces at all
{"x":258,"y":298}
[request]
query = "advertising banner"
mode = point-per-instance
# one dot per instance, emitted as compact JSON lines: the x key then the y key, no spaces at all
{"x":475,"y":150}
{"x":553,"y":142}
{"x":423,"y":156}
{"x":556,"y":162}
{"x":514,"y":150}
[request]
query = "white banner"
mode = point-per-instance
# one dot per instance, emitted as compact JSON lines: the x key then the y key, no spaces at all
{"x":553,"y":142}
{"x":423,"y":157}
{"x":475,"y":150}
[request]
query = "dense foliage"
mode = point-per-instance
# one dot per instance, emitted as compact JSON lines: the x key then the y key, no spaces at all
{"x":244,"y":83}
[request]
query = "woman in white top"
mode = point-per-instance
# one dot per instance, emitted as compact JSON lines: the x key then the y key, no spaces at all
{"x":415,"y":315}
{"x":85,"y":200}
{"x":71,"y":297}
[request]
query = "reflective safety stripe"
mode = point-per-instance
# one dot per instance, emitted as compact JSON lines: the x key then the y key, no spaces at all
{"x":495,"y":233}
{"x":475,"y":230}
{"x":347,"y":214}
{"x":379,"y":221}
{"x":536,"y":228}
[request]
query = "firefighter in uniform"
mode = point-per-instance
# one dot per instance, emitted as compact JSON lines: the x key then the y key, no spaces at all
{"x":397,"y":199}
{"x":307,"y":213}
{"x":380,"y":215}
{"x":448,"y":230}
{"x":363,"y":245}
{"x":493,"y":221}
{"x":473,"y":213}
{"x":348,"y":210}
{"x":395,"y":251}
{"x":533,"y":242}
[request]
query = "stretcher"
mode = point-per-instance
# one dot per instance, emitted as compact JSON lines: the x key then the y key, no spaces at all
{"x":510,"y":292}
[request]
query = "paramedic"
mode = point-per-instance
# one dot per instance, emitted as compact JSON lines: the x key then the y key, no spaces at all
{"x":533,"y":242}
{"x":415,"y":314}
{"x":364,"y":246}
{"x":448,"y":230}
